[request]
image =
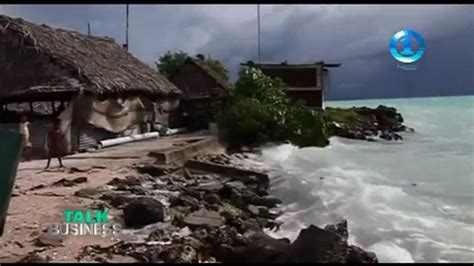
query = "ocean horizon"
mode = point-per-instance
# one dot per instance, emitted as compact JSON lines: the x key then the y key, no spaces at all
{"x":396,"y":98}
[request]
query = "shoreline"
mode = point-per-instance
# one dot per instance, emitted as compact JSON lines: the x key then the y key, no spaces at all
{"x":235,"y":231}
{"x":215,"y":207}
{"x":199,"y":215}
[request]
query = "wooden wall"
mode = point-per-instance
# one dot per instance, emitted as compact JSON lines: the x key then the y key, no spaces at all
{"x":311,"y":98}
{"x":193,"y":82}
{"x":296,"y":77}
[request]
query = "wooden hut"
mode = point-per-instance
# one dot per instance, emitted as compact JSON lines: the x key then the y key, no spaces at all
{"x":98,"y":89}
{"x":306,"y":82}
{"x":203,"y":91}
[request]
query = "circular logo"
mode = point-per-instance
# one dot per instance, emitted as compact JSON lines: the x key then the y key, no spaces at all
{"x":407,"y":46}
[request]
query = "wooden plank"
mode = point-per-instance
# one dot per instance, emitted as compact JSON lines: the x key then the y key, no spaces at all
{"x":225,"y":170}
{"x":181,"y":154}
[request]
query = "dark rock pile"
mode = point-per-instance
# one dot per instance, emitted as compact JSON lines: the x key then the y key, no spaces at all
{"x":143,"y":211}
{"x":326,"y":245}
{"x":365,"y":123}
{"x":195,"y":216}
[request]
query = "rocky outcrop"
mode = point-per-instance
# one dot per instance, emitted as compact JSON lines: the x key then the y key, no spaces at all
{"x":212,"y":217}
{"x":326,"y":245}
{"x":365,"y":123}
{"x":257,"y":247}
{"x":313,"y":245}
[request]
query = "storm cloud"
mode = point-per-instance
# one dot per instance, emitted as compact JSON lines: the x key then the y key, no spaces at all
{"x":355,"y":35}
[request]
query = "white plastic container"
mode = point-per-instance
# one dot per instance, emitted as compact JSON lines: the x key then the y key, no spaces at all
{"x":132,"y":138}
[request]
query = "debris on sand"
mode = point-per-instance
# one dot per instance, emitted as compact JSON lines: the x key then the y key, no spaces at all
{"x":38,"y":187}
{"x":34,"y":257}
{"x":70,"y":182}
{"x":73,"y":170}
{"x":209,"y":213}
{"x":46,"y":239}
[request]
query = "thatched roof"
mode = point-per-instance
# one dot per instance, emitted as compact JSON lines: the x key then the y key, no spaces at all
{"x":99,"y":65}
{"x":210,"y":72}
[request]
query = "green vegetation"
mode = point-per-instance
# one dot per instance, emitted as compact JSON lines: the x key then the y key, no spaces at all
{"x":342,"y":115}
{"x":218,"y":67}
{"x":261,"y":112}
{"x":170,"y":63}
{"x":347,"y":117}
{"x":352,"y":117}
{"x":246,"y":122}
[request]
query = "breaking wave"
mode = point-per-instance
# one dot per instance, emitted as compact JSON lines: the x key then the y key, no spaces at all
{"x":408,"y":201}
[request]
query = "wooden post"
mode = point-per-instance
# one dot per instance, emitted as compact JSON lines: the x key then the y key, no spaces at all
{"x":258,"y":22}
{"x":89,"y":29}
{"x":126,"y":31}
{"x":54,"y":107}
{"x":209,"y":108}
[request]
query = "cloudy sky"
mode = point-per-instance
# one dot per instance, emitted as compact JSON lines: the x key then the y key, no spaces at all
{"x":355,"y":35}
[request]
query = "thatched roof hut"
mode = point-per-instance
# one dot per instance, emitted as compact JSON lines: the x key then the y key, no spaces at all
{"x":38,"y":62}
{"x":195,"y":79}
{"x":209,"y":71}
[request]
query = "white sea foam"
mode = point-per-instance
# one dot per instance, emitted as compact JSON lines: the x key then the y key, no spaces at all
{"x":278,"y":154}
{"x":390,"y":252}
{"x":407,"y":202}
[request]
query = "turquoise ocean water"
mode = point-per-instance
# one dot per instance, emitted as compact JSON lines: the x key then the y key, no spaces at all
{"x":407,"y":201}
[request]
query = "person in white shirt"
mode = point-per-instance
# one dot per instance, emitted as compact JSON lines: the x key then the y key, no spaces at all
{"x":26,"y":137}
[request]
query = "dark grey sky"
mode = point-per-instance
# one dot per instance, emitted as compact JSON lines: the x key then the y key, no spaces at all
{"x":355,"y":35}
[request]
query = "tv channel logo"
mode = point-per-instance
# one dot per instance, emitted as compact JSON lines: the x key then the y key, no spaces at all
{"x":407,"y":46}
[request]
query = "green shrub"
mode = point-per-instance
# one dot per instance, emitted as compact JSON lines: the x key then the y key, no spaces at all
{"x":170,"y":63}
{"x":246,"y":123}
{"x":306,"y":127}
{"x":343,"y":115}
{"x":218,"y":67}
{"x":262,"y":112}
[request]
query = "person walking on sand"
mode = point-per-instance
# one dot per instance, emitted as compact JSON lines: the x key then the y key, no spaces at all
{"x":56,"y":146}
{"x":25,"y":137}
